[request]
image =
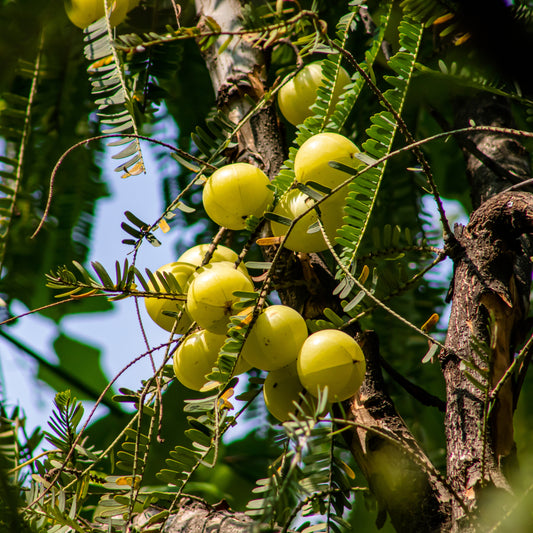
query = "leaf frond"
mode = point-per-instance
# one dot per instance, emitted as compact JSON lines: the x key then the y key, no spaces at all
{"x":114,"y":99}
{"x":363,"y":190}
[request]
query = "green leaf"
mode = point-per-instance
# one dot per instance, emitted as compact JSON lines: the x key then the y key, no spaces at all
{"x":152,"y":240}
{"x":135,"y":220}
{"x":313,"y":228}
{"x":381,"y":137}
{"x":333,"y":317}
{"x":365,"y":158}
{"x":198,"y":436}
{"x":478,"y":384}
{"x":185,"y":208}
{"x":259,"y":265}
{"x":434,"y":348}
{"x":274,"y":217}
{"x":188,"y":164}
{"x":103,"y":275}
{"x":343,"y":168}
{"x":86,"y":276}
{"x":315,"y":195}
{"x":319,"y":187}
{"x":248,"y":295}
{"x":352,"y":304}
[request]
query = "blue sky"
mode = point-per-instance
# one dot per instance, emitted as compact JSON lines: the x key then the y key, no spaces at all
{"x":116,"y":333}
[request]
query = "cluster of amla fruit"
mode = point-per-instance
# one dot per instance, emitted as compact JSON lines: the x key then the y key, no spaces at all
{"x":236,"y":191}
{"x":298,"y":364}
{"x":278,"y":342}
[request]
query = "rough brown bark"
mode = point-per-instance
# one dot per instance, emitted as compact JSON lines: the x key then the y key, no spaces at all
{"x":491,"y":277}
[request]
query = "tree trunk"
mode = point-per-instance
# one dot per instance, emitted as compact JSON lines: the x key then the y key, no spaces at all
{"x":238,"y":72}
{"x":491,"y":278}
{"x":490,"y":299}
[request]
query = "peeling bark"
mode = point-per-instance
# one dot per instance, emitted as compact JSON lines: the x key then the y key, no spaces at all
{"x":237,"y":72}
{"x":484,"y":283}
{"x":492,"y":276}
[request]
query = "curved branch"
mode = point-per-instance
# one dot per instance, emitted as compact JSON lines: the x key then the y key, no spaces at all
{"x":415,"y":498}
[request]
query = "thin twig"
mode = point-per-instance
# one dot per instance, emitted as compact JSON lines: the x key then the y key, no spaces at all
{"x":512,"y":367}
{"x":26,"y":130}
{"x":194,"y":33}
{"x":183,"y":153}
{"x":370,"y":295}
{"x":47,"y":306}
{"x":409,"y":283}
{"x":86,"y":424}
{"x":62,"y":373}
{"x":33,"y":459}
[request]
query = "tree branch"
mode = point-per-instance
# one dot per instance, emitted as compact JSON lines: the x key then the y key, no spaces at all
{"x":408,"y":489}
{"x":417,"y":392}
{"x":194,"y":515}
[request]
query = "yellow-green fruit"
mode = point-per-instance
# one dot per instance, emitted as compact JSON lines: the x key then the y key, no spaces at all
{"x":82,"y":13}
{"x":333,"y":359}
{"x":210,"y":299}
{"x":281,"y":389}
{"x":157,"y":307}
{"x":312,"y":161}
{"x":234,"y":192}
{"x":312,"y":164}
{"x":297,"y":96}
{"x":293,"y":204}
{"x":195,"y":256}
{"x":275,"y":339}
{"x":196,"y":356}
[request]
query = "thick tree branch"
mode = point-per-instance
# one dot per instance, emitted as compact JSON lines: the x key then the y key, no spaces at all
{"x":194,"y":515}
{"x":417,"y":392}
{"x":398,"y":472}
